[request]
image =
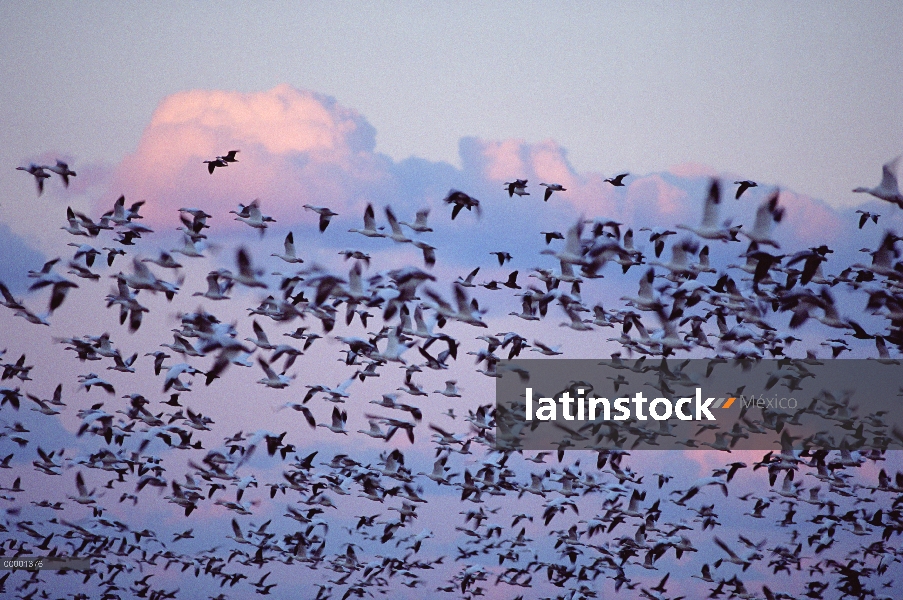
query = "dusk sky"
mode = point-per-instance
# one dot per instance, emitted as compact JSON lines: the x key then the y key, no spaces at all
{"x":392,"y":104}
{"x":805,"y":95}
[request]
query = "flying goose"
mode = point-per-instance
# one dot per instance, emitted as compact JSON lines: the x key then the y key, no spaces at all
{"x":866,"y":216}
{"x":744,"y":185}
{"x":39,"y":174}
{"x":289,"y":255}
{"x":63,"y":170}
{"x":419,"y":224}
{"x":460,"y":200}
{"x":551,"y":187}
{"x":397,"y":234}
{"x":518,"y":186}
{"x":252,"y":216}
{"x":709,"y":228}
{"x":887,"y":190}
{"x":617,"y":180}
{"x":325,"y":215}
{"x":221,"y":161}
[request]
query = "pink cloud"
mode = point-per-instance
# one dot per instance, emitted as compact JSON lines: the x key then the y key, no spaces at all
{"x":692,"y":169}
{"x":812,"y":221}
{"x":299,"y":147}
{"x":296,"y":147}
{"x":506,"y":160}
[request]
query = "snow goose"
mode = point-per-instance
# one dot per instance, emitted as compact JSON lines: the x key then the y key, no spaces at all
{"x":888,"y":190}
{"x":39,"y":174}
{"x":63,"y":170}
{"x":325,"y":215}
{"x":551,"y":187}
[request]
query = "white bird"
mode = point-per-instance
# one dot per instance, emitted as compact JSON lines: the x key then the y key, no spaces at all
{"x":573,"y":252}
{"x":552,"y":187}
{"x":247,"y":275}
{"x":252,"y":216}
{"x":419,"y":224}
{"x":75,"y":225}
{"x":63,"y":170}
{"x":397,"y":234}
{"x":215,"y":290}
{"x":767,"y":215}
{"x":260,"y":340}
{"x":709,"y":229}
{"x":544,"y":349}
{"x":429,"y":252}
{"x":451,"y":389}
{"x":39,"y":174}
{"x":189,"y":248}
{"x":84,"y":497}
{"x":888,"y":189}
{"x":289,"y":255}
{"x":325,"y":215}
{"x":518,"y":186}
{"x":338,"y":421}
{"x":272,"y":379}
{"x":369,"y":229}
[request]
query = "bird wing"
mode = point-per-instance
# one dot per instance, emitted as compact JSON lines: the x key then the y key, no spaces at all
{"x":710,"y":208}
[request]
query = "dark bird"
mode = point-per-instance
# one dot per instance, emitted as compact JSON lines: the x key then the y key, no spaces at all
{"x":221,"y":161}
{"x":460,"y":200}
{"x":866,"y":216}
{"x":617,"y":180}
{"x":325,"y":215}
{"x":518,"y":186}
{"x":551,"y":187}
{"x":744,"y":185}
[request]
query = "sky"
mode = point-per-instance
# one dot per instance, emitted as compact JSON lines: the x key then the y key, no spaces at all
{"x":803,"y":96}
{"x":344,"y":105}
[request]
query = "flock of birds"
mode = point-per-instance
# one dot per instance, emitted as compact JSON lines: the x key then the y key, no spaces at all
{"x":528,"y":526}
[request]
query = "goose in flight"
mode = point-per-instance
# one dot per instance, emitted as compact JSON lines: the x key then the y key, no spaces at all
{"x":84,"y":497}
{"x":216,"y":162}
{"x":39,"y":174}
{"x":325,"y":215}
{"x":419,"y":224}
{"x":552,"y":235}
{"x":888,"y":190}
{"x":338,"y":421}
{"x":369,"y":229}
{"x":461,"y":200}
{"x":863,"y":219}
{"x":518,"y":186}
{"x":63,"y":170}
{"x":551,"y":187}
{"x":709,"y":228}
{"x":221,"y":161}
{"x":397,"y":234}
{"x":289,"y":255}
{"x":503,"y":257}
{"x":767,"y":215}
{"x":272,"y":379}
{"x":252,"y":216}
{"x":744,"y":185}
{"x":617,"y":180}
{"x":429,"y":252}
{"x":59,"y":284}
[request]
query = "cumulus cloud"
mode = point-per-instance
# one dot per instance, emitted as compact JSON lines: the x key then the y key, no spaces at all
{"x":296,"y":147}
{"x":299,"y":147}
